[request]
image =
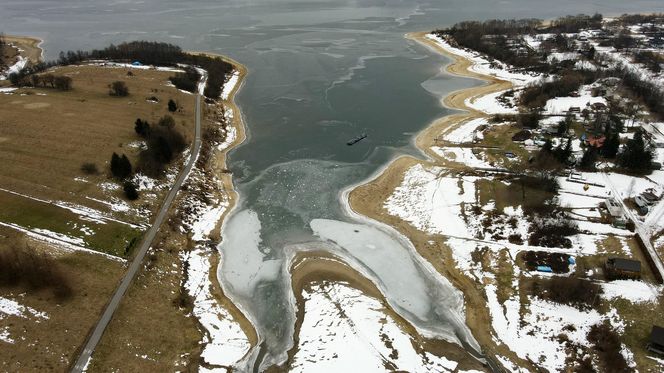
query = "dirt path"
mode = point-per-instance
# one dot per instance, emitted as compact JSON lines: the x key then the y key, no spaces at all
{"x":368,"y":199}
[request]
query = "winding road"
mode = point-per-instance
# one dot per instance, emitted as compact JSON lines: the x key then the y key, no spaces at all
{"x":112,"y":306}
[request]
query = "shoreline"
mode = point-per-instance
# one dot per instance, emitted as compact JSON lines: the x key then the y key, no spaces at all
{"x":366,"y":198}
{"x":31,"y":46}
{"x":219,"y":167}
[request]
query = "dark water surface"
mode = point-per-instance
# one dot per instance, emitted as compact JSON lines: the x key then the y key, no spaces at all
{"x":321,"y":72}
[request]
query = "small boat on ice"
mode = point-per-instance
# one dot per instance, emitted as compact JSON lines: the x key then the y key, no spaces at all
{"x":356,"y":139}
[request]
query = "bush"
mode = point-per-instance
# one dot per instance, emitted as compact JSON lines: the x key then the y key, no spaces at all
{"x":164,"y":143}
{"x":23,"y":266}
{"x":552,"y":231}
{"x":89,"y":168}
{"x":608,"y":346}
{"x":62,"y":83}
{"x":568,"y":290}
{"x":188,"y":80}
{"x":119,"y":89}
{"x":557,"y":261}
{"x":142,"y":127}
{"x":172,"y":106}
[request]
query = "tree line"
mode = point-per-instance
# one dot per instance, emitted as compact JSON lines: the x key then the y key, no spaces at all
{"x":156,"y":53}
{"x":148,"y":53}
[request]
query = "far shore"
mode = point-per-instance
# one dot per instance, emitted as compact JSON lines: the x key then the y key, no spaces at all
{"x":368,"y":199}
{"x":31,"y":46}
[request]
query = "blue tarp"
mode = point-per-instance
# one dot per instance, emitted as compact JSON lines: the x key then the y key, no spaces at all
{"x":571,"y":260}
{"x":136,"y":63}
{"x":544,"y":269}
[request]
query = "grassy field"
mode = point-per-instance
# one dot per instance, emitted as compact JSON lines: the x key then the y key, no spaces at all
{"x":46,"y":135}
{"x":49,"y":343}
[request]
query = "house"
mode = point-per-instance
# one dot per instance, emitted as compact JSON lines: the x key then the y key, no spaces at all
{"x":596,"y":141}
{"x":615,"y":210}
{"x":620,"y":268}
{"x":656,"y":341}
{"x":574,"y":109}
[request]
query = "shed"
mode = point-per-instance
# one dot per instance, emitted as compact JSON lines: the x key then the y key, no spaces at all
{"x":620,"y":268}
{"x":656,"y":341}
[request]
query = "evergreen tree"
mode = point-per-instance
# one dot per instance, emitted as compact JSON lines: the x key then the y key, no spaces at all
{"x":636,"y":154}
{"x":588,"y":160}
{"x":120,"y":166}
{"x":126,"y":166}
{"x":611,"y":145}
{"x":131,"y":192}
{"x":115,"y":164}
{"x":563,"y":154}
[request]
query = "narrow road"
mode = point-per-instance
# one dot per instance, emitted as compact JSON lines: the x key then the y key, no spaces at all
{"x":112,"y":306}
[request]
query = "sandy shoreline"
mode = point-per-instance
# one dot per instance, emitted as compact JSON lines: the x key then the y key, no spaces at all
{"x":220,"y":168}
{"x":31,"y":46}
{"x":367,"y":199}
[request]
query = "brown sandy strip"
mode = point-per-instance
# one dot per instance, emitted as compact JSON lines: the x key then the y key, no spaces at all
{"x":460,"y":66}
{"x":219,"y":166}
{"x":368,"y":199}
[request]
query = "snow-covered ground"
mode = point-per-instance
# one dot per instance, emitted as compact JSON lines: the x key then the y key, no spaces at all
{"x":229,"y":86}
{"x":561,"y":105}
{"x":484,"y":66}
{"x":12,"y":308}
{"x":345,"y":330}
{"x":225,"y":342}
{"x":460,"y":155}
{"x":15,"y":68}
{"x":490,"y":104}
{"x":466,"y":132}
{"x":534,"y":333}
{"x":432,"y":202}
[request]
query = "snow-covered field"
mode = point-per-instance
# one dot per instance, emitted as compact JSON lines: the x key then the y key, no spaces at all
{"x":437,"y":202}
{"x":345,"y":330}
{"x":466,"y":132}
{"x":460,"y":155}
